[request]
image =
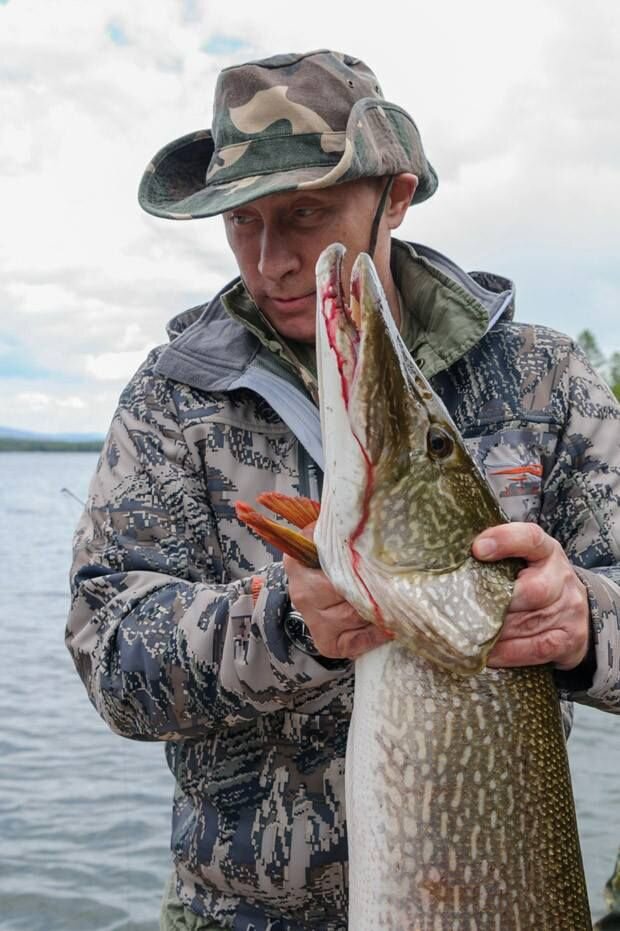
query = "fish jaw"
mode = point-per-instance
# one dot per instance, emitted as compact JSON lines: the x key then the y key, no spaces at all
{"x":346,"y":465}
{"x":397,"y":517}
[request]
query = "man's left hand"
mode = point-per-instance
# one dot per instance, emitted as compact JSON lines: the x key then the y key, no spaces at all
{"x":548,"y":619}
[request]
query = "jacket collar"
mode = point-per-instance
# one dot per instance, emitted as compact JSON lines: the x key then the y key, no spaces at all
{"x":448,"y":310}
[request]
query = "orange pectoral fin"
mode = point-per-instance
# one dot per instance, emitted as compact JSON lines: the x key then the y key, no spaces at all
{"x":534,"y":468}
{"x":256,"y":586}
{"x":284,"y":538}
{"x":298,"y":511}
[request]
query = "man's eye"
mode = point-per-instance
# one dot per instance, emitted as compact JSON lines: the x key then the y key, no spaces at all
{"x":240,"y":219}
{"x":305,"y":212}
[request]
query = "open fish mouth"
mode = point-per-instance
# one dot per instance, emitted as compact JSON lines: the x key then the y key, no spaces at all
{"x":402,"y":498}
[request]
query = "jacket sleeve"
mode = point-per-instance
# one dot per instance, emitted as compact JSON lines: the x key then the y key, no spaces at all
{"x":581,"y":509}
{"x":164,"y":647}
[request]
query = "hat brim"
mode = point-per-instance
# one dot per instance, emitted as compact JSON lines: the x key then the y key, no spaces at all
{"x":175,"y":188}
{"x":174,"y":184}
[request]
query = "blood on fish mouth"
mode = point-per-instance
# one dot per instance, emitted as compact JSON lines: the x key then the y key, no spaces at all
{"x":335,"y":309}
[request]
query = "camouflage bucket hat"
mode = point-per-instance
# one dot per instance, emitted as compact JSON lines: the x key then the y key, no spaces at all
{"x":286,"y":123}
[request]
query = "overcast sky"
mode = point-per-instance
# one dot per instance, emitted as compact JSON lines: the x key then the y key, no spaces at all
{"x":518,"y":108}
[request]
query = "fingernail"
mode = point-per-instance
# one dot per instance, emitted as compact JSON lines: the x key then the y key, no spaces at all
{"x":485,"y":548}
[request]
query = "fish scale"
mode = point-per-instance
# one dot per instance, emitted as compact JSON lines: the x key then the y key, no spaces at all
{"x":457,"y":803}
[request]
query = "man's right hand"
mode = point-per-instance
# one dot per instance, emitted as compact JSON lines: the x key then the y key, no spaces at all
{"x":336,"y":628}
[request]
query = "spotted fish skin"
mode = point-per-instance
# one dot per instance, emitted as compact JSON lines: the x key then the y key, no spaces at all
{"x":459,"y":802}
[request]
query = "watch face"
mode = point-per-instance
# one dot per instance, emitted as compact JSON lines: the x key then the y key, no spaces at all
{"x":298,"y":633}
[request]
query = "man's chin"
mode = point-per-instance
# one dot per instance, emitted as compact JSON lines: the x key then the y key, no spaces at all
{"x":293,"y":321}
{"x":300,"y":332}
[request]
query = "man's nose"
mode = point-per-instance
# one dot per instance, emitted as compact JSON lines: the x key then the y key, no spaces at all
{"x":277,"y":257}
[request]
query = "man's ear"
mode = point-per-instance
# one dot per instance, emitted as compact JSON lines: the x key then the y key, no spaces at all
{"x":402,"y":190}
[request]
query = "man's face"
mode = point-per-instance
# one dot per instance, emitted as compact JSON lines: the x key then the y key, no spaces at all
{"x":277,"y":240}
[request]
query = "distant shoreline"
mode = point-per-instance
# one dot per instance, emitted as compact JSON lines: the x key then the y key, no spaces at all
{"x":15,"y":445}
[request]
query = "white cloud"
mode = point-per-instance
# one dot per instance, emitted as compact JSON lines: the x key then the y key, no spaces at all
{"x":517,"y":105}
{"x":38,"y":401}
{"x":112,"y":366}
{"x":40,"y":298}
{"x":72,"y":403}
{"x":33,"y":400}
{"x":59,"y":408}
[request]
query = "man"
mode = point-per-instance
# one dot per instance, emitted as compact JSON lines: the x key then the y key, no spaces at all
{"x":182,"y":625}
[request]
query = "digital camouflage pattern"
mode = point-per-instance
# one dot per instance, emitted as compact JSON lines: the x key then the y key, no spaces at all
{"x":170,"y":645}
{"x":286,"y":123}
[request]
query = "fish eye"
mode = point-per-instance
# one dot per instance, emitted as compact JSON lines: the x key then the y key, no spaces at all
{"x":438,"y":443}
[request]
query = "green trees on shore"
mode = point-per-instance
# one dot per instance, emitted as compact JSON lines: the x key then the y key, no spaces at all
{"x":9,"y":444}
{"x":608,"y":366}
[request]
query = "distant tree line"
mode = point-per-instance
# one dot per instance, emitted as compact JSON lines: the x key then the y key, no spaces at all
{"x":11,"y":444}
{"x":608,"y":366}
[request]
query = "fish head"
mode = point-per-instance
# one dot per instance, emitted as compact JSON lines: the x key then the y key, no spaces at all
{"x":402,"y":498}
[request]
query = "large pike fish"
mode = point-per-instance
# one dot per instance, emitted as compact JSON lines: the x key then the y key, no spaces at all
{"x":459,"y":803}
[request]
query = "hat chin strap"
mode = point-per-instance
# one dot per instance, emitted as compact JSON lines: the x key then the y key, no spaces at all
{"x":374,"y":230}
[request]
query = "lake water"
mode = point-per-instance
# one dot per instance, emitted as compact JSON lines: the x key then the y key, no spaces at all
{"x":84,"y":814}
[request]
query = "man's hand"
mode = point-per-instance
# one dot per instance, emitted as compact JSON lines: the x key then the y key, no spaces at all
{"x":548,"y":619}
{"x":336,"y":628}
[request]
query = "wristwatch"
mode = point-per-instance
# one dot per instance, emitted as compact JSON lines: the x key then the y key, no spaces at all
{"x":299,"y":635}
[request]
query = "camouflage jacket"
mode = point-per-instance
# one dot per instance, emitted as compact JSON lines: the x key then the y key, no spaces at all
{"x":164,"y":629}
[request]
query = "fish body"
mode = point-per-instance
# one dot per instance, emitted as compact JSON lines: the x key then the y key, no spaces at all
{"x":459,"y":803}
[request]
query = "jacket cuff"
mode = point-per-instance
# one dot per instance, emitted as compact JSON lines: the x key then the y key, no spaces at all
{"x":291,"y":657}
{"x":596,"y":679}
{"x":580,"y":678}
